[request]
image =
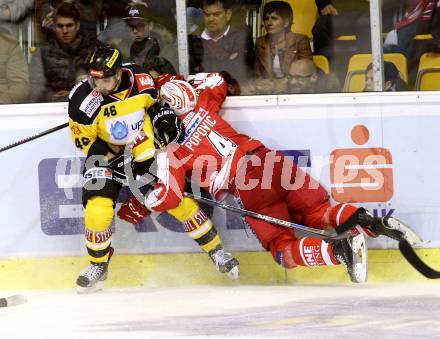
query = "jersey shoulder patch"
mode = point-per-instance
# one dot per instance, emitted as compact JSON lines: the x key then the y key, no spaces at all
{"x":143,"y":80}
{"x":84,"y":103}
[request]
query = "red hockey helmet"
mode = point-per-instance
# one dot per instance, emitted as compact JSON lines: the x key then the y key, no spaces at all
{"x":179,"y":95}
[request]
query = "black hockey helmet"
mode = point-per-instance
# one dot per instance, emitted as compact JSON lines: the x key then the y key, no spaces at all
{"x":104,"y":62}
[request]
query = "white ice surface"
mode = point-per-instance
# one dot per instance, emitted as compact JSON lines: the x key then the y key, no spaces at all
{"x":294,"y":311}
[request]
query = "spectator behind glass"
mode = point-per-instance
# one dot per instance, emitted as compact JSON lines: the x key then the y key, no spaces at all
{"x":11,"y":12}
{"x":166,"y":33}
{"x":401,"y":19}
{"x":116,"y":32}
{"x":221,"y":46}
{"x":305,"y":77}
{"x":276,"y":50}
{"x":90,"y":13}
{"x":392,"y":80}
{"x":14,"y":75}
{"x":417,"y":18}
{"x":60,"y":63}
{"x":145,"y":49}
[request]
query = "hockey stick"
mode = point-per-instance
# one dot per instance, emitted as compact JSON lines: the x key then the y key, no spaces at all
{"x":14,"y":300}
{"x":328,"y":234}
{"x":411,"y":256}
{"x":394,"y":229}
{"x":36,"y":136}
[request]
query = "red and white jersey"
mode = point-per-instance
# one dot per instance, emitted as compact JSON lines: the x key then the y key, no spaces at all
{"x":210,"y":153}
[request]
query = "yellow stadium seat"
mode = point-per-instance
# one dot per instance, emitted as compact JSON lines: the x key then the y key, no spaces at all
{"x":423,"y":37}
{"x":305,"y":13}
{"x":347,"y":38}
{"x":428,"y":74}
{"x":322,"y":62}
{"x":355,"y":78}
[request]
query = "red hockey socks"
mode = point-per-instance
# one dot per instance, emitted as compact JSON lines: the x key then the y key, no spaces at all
{"x":290,"y":253}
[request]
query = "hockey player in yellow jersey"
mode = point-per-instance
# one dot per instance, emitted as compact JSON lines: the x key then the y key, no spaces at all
{"x":112,"y":111}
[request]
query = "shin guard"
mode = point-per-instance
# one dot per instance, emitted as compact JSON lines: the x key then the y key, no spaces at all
{"x":197,"y":224}
{"x":98,"y":217}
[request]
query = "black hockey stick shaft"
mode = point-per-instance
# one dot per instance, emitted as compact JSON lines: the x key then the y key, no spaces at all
{"x":36,"y":136}
{"x":328,"y":234}
{"x":411,"y":256}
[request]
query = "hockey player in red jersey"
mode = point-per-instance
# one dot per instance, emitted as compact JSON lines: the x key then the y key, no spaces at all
{"x":220,"y":159}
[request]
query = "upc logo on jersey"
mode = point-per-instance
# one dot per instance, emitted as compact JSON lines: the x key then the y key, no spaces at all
{"x":123,"y":129}
{"x":361,"y":174}
{"x":119,"y":130}
{"x":91,"y":103}
{"x":144,"y":82}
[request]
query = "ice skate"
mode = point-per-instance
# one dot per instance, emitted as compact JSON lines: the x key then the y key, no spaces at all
{"x":92,"y":278}
{"x":225,"y":262}
{"x":352,"y":252}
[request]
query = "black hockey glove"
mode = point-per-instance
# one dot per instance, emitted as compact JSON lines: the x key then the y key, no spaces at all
{"x":168,"y":128}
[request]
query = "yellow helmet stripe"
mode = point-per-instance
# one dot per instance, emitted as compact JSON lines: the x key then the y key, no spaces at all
{"x":112,"y":60}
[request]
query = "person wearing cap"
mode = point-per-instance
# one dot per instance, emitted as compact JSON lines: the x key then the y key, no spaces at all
{"x":145,"y":50}
{"x":392,"y":80}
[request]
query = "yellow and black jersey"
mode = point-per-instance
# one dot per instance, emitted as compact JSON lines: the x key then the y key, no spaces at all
{"x":115,"y":119}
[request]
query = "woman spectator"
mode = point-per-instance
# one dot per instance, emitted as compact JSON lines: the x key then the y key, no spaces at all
{"x":276,"y":50}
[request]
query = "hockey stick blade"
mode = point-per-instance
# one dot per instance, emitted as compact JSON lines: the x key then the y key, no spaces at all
{"x":328,"y":234}
{"x":13,"y":300}
{"x":411,"y":256}
{"x":36,"y":136}
{"x":407,"y":233}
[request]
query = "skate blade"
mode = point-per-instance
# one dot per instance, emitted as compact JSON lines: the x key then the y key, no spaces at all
{"x":233,"y":274}
{"x":359,"y":246}
{"x":91,"y":289}
{"x":407,"y":232}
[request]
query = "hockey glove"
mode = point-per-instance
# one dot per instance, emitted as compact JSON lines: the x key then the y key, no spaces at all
{"x":164,"y":78}
{"x":133,"y":211}
{"x":168,"y":128}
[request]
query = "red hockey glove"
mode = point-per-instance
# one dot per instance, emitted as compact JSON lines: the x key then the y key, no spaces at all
{"x":133,"y":211}
{"x":164,"y":78}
